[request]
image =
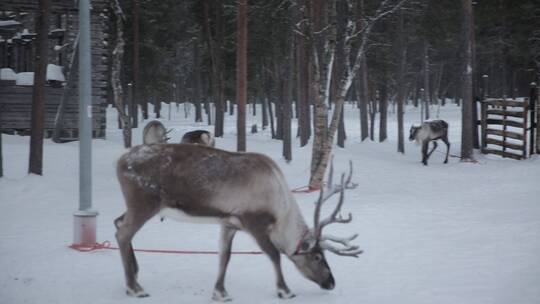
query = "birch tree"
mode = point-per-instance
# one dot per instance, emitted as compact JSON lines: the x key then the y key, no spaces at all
{"x":118,"y":56}
{"x":322,"y":33}
{"x":402,"y":54}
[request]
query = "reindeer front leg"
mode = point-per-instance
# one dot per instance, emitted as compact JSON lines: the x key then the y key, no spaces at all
{"x":425,"y":145}
{"x":266,"y":245}
{"x":227,"y":236}
{"x":432,"y":149}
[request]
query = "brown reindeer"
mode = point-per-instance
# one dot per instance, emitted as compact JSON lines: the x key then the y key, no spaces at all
{"x":239,"y":191}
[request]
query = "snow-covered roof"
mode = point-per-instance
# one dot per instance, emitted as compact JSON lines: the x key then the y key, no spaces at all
{"x":25,"y":79}
{"x":54,"y":72}
{"x":9,"y":22}
{"x":7,"y":74}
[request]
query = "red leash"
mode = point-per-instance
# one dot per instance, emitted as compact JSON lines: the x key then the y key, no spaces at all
{"x":107,"y":245}
{"x":306,"y":189}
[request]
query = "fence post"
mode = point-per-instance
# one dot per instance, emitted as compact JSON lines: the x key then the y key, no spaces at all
{"x":525,"y":112}
{"x":532,"y":106}
{"x":483,"y":121}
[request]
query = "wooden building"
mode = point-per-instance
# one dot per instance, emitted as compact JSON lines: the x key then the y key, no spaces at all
{"x":17,"y":50}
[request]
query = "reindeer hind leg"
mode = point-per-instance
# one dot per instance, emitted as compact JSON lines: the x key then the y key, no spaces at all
{"x":129,"y":225}
{"x":445,"y":140}
{"x":132,"y":259}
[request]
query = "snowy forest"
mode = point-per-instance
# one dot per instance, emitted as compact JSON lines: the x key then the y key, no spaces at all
{"x":368,"y":151}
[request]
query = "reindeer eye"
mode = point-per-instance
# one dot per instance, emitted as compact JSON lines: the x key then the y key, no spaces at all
{"x":317,"y":257}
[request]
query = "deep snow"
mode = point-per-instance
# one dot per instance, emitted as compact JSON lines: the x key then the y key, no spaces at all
{"x":455,"y":233}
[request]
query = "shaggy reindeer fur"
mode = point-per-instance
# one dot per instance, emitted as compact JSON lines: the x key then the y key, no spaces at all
{"x":430,"y":131}
{"x":154,"y":133}
{"x":200,"y":137}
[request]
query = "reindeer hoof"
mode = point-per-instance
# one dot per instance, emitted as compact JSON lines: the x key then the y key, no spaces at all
{"x":221,"y":296}
{"x":446,"y":161}
{"x":136,"y":293}
{"x":285,"y":294}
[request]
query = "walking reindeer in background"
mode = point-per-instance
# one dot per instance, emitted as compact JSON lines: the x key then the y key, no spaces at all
{"x":238,"y":191}
{"x":430,"y":131}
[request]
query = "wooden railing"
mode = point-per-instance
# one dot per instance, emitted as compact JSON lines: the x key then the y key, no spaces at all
{"x":497,"y":116}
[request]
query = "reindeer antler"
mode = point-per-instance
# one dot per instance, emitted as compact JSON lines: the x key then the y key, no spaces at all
{"x":335,"y":216}
{"x":167,"y":132}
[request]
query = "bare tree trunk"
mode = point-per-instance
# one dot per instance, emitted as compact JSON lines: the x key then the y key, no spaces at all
{"x":323,"y":76}
{"x":71,"y":72}
{"x":241,"y":74}
{"x":538,"y":115}
{"x":466,"y":114}
{"x":221,"y":107}
{"x":436,"y":93}
{"x":35,"y":165}
{"x":268,"y":100}
{"x":402,"y":48}
{"x":372,"y":111}
{"x":323,"y":61}
{"x":426,"y":71}
{"x":1,"y":157}
{"x":364,"y":100}
{"x":197,"y":83}
{"x":286,"y":89}
{"x":136,"y":83}
{"x":342,"y":134}
{"x":474,"y":129}
{"x":214,"y":46}
{"x":302,"y":60}
{"x":383,"y":109}
{"x":157,"y":104}
{"x":264,"y":112}
{"x":118,"y":56}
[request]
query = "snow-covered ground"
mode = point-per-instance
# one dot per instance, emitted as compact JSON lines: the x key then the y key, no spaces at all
{"x":455,"y":233}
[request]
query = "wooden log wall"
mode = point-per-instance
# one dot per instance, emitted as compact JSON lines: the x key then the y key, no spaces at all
{"x":497,"y":115}
{"x":15,"y":101}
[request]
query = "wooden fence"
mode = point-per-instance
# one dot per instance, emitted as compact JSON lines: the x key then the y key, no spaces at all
{"x":504,"y":127}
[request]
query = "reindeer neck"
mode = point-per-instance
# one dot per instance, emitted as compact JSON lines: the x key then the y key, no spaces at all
{"x":290,"y":230}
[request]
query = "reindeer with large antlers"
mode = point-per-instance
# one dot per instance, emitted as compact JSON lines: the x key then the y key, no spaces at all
{"x":239,"y":191}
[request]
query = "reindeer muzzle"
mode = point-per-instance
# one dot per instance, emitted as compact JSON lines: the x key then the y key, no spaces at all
{"x":329,"y":284}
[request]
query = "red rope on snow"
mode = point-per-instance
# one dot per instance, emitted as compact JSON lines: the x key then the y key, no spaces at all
{"x":304,"y":189}
{"x":107,"y":245}
{"x":474,"y":161}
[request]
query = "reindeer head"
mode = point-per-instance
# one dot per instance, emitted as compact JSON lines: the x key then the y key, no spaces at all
{"x":309,"y":255}
{"x":155,"y":133}
{"x":414,"y":132}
